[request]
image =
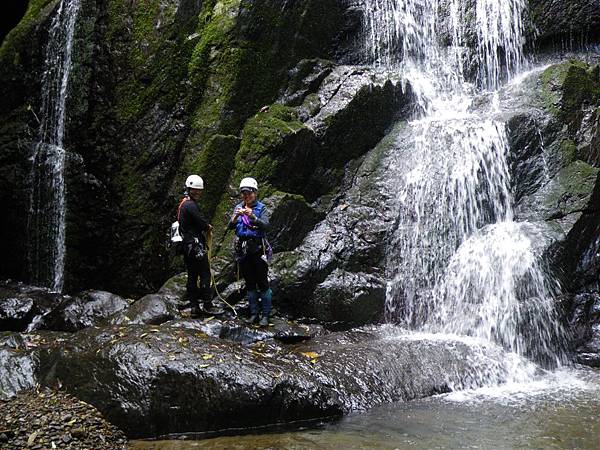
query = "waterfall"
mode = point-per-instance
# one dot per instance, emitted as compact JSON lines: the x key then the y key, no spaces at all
{"x":47,"y":214}
{"x":458,"y":263}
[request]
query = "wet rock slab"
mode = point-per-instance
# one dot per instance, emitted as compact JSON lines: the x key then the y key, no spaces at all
{"x":53,"y":419}
{"x":153,"y":381}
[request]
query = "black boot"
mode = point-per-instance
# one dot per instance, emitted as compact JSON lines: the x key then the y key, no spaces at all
{"x":195,"y":309}
{"x":252,"y":319}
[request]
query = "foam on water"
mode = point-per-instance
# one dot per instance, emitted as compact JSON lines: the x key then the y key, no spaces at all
{"x":563,"y":382}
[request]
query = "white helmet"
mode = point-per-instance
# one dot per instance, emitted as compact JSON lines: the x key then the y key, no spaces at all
{"x":249,"y":183}
{"x":194,"y":182}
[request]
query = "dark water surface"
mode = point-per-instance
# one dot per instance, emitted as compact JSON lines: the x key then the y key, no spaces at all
{"x":560,"y":411}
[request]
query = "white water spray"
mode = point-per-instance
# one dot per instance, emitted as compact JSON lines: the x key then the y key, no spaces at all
{"x":458,"y":263}
{"x":47,"y":215}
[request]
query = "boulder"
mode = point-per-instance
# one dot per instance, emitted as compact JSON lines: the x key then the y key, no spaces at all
{"x":151,"y":309}
{"x":86,"y":309}
{"x":350,"y":239}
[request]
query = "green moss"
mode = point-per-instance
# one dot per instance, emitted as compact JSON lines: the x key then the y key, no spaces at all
{"x":223,"y":238}
{"x":572,"y":189}
{"x":312,"y":104}
{"x":214,"y":165}
{"x":566,"y":86}
{"x":261,"y":145}
{"x":154,"y":37}
{"x":568,"y":151}
{"x":37,"y":12}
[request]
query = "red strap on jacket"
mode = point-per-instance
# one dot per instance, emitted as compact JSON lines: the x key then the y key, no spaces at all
{"x":185,"y":199}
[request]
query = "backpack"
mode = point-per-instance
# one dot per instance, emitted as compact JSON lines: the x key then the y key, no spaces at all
{"x":176,"y":237}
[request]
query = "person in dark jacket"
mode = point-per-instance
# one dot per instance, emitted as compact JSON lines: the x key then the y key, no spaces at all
{"x":250,"y":222}
{"x":193,"y":228}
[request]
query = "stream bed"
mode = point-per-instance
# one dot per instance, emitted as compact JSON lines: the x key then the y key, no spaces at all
{"x":560,"y":410}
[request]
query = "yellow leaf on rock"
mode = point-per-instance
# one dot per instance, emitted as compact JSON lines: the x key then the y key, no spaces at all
{"x":207,"y":356}
{"x":311,"y":355}
{"x":31,"y":439}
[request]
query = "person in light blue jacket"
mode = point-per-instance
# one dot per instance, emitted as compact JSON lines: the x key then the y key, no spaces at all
{"x":250,"y":222}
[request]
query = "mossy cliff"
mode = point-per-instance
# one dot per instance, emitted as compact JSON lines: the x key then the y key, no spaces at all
{"x":158,"y":89}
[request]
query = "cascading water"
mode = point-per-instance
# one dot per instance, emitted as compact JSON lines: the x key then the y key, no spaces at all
{"x":47,"y":214}
{"x":458,"y":262}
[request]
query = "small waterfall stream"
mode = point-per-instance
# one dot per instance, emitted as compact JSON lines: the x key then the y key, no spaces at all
{"x":458,"y":263}
{"x":47,"y":214}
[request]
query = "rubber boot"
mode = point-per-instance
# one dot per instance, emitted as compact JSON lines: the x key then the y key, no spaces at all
{"x":195,"y":307}
{"x":253,"y":301}
{"x":267,"y":299}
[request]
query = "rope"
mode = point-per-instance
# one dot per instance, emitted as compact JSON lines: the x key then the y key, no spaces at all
{"x":209,"y":239}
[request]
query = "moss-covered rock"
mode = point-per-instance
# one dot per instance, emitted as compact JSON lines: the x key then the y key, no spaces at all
{"x":276,"y":150}
{"x":567,"y":86}
{"x":563,"y":198}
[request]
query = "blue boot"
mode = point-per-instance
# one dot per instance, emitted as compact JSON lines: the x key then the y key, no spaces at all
{"x":267,"y":299}
{"x":253,"y":301}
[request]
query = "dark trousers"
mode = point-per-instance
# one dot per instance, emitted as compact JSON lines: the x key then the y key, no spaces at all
{"x":254,"y":270}
{"x":198,"y":270}
{"x":255,"y":273}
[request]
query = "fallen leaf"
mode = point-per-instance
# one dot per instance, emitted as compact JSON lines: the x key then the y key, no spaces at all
{"x":311,"y":355}
{"x":237,"y":357}
{"x":31,"y":439}
{"x":143,"y":335}
{"x":204,"y":366}
{"x":208,"y":319}
{"x":207,"y":356}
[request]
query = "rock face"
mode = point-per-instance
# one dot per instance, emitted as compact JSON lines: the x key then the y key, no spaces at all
{"x":22,"y":307}
{"x":158,"y":89}
{"x":137,"y":125}
{"x":575,"y":21}
{"x":555,"y":141}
